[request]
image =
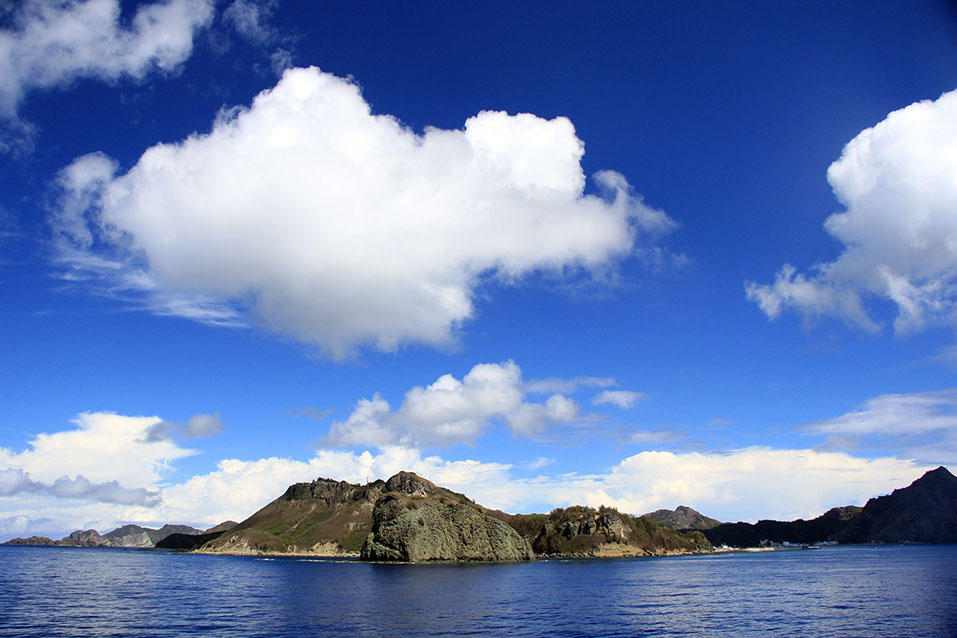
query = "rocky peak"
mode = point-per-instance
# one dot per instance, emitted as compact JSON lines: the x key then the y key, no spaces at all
{"x":331,"y":492}
{"x":683,"y":517}
{"x":411,"y":484}
{"x":939,"y":478}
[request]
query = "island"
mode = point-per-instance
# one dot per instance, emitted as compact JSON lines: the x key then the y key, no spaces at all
{"x":407,"y":518}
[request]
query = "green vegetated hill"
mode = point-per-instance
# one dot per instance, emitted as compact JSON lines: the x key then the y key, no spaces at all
{"x":408,"y":518}
{"x":923,"y":512}
{"x":604,"y":532}
{"x":187,"y":541}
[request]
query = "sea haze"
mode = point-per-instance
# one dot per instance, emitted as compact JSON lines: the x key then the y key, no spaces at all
{"x":885,"y":590}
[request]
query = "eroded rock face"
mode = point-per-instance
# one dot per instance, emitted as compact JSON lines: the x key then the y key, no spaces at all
{"x":415,"y":529}
{"x":410,"y":484}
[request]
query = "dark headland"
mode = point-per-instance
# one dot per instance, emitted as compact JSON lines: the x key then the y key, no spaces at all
{"x":410,"y":519}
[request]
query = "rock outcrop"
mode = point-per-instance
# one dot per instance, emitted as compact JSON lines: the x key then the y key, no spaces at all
{"x":682,"y":517}
{"x":584,"y":532}
{"x":416,"y":521}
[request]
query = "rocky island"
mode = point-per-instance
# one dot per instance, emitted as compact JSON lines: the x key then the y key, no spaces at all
{"x":410,"y":519}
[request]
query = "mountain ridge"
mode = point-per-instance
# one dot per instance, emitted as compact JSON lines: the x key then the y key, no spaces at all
{"x":923,"y":512}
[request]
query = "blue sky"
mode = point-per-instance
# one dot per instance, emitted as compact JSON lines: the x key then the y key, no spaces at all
{"x":637,"y":254}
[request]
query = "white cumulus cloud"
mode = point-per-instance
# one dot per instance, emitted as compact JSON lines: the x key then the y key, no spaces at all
{"x":324,"y":222}
{"x":102,"y":448}
{"x":54,"y":42}
{"x":451,"y":411}
{"x":898,"y":183}
{"x":752,"y":483}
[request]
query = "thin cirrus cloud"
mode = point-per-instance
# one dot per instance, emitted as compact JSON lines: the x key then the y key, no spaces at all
{"x":52,"y":43}
{"x":624,"y":399}
{"x":251,"y":19}
{"x":452,"y":411}
{"x":920,"y":425}
{"x":318,"y":220}
{"x":566,"y":386}
{"x":897,"y":182}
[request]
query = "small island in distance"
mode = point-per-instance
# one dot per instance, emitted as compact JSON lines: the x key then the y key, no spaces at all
{"x":410,"y":519}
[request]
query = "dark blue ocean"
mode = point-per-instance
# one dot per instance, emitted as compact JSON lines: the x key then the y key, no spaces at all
{"x":892,"y":591}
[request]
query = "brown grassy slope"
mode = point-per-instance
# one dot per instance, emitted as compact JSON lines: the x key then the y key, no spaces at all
{"x":325,"y":515}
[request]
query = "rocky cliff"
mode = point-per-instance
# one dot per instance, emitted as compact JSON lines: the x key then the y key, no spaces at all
{"x":416,"y":521}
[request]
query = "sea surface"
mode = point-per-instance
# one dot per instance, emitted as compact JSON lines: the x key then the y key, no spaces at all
{"x":900,"y":591}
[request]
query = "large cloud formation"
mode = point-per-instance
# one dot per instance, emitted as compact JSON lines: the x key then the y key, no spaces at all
{"x":342,"y":228}
{"x":103,"y":447}
{"x":450,"y":411}
{"x":898,"y":182}
{"x":54,"y":42}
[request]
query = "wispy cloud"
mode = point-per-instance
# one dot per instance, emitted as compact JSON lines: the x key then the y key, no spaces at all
{"x":919,"y":425}
{"x":567,"y":386}
{"x":624,"y":399}
{"x":198,"y":426}
{"x":51,"y":44}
